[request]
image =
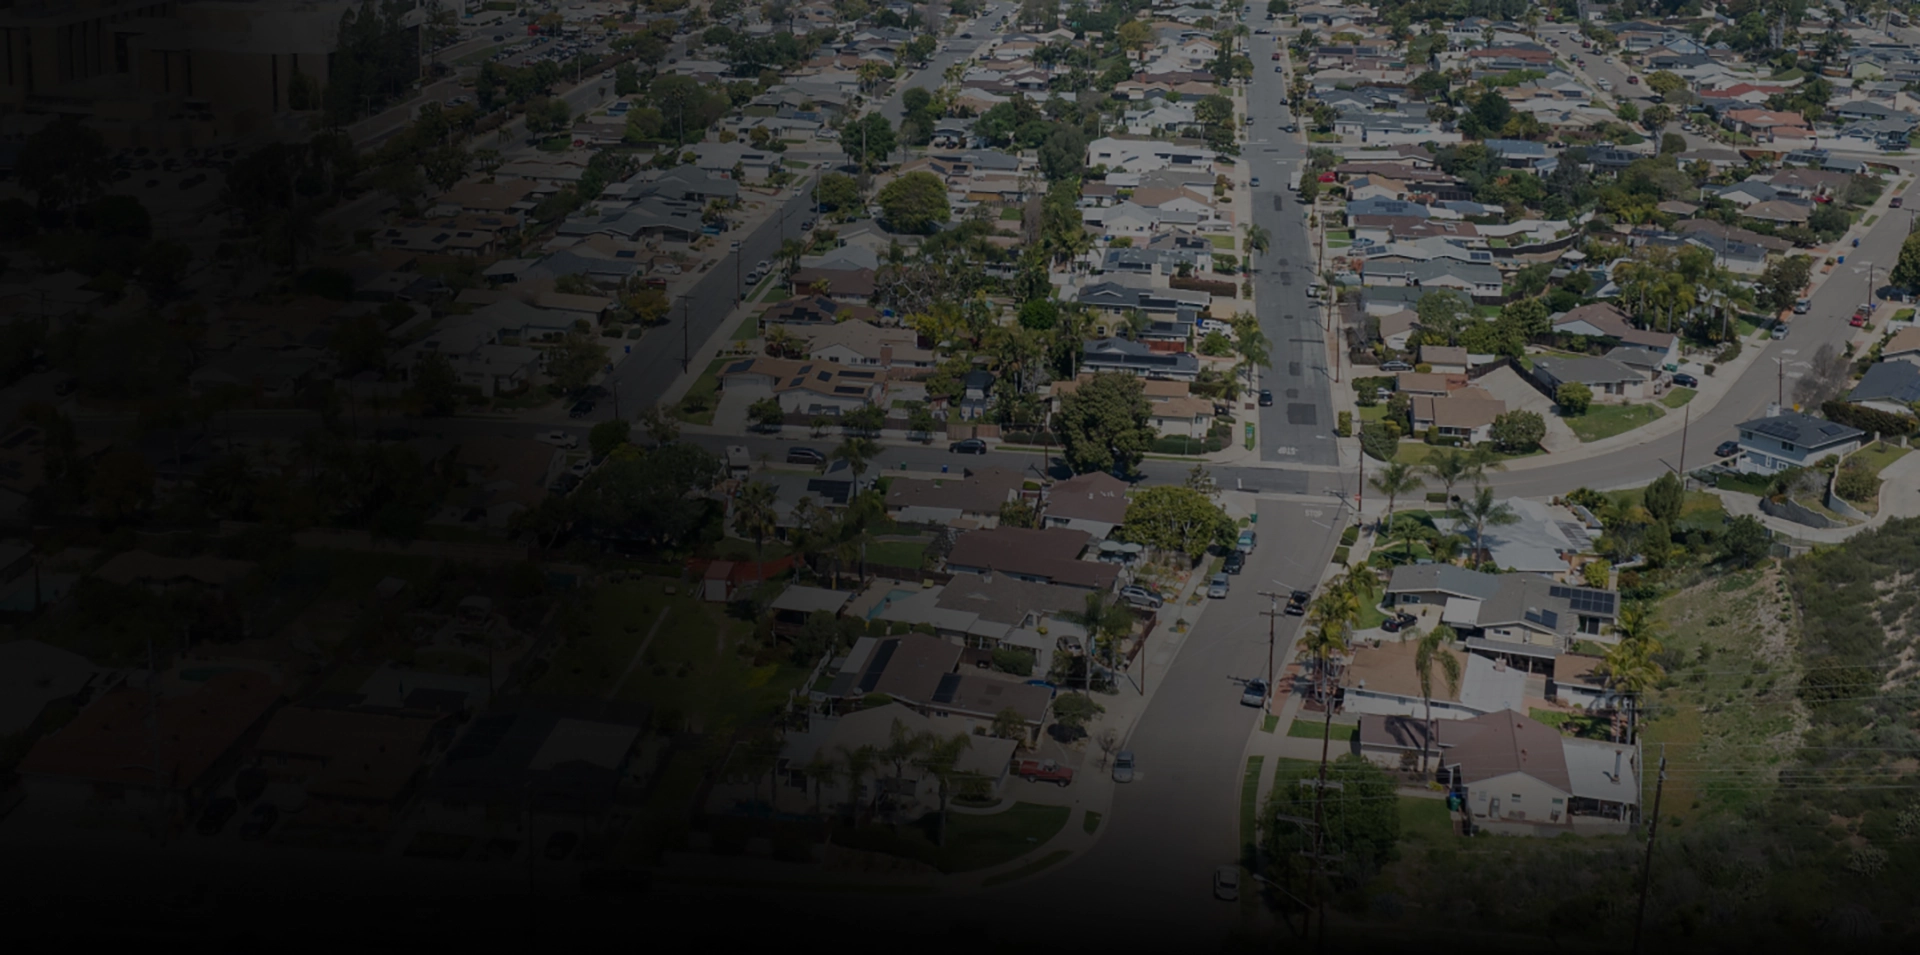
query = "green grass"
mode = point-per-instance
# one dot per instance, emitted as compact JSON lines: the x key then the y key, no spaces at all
{"x":1374,"y":413}
{"x":1223,"y":242}
{"x":1677,"y":397}
{"x":1745,"y":325}
{"x":1249,"y":805}
{"x":1878,"y":455}
{"x":1605,"y":421}
{"x":973,"y":842}
{"x":1425,"y":820}
{"x":1903,"y":315}
{"x":1316,"y":729}
{"x":706,"y":389}
{"x":749,"y":329}
{"x":1870,"y":220}
{"x":1416,"y":452}
{"x":1268,"y":723}
{"x":1030,"y":868}
{"x":1370,"y":617}
{"x":1090,"y":822}
{"x":1011,"y":215}
{"x":896,"y":553}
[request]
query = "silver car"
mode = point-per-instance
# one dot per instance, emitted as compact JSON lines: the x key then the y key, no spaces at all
{"x":1217,"y":587}
{"x":1226,"y":883}
{"x":1123,"y":766}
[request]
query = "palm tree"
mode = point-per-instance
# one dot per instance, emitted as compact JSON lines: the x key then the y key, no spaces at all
{"x":821,"y":771}
{"x":1251,"y":343}
{"x":1432,"y":649}
{"x":1361,"y":583}
{"x":858,"y":452}
{"x":1394,"y":480}
{"x":789,"y":255}
{"x":1449,"y":466}
{"x":753,"y":514}
{"x":1258,"y":239}
{"x":1106,"y":624}
{"x":857,"y":763}
{"x":1482,"y":509}
{"x":903,"y":748}
{"x":1629,"y":670}
{"x":940,"y":756}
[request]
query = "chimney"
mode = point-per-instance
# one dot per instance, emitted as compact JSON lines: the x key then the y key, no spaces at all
{"x":1616,"y":765}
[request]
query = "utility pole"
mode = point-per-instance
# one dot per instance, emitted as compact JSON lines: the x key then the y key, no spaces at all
{"x":1272,"y":613}
{"x":1320,"y":801}
{"x":153,"y":717}
{"x":686,"y":334}
{"x":1684,"y":423}
{"x":1646,"y":870}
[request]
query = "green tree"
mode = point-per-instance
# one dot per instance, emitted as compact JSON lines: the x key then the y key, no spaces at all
{"x":939,"y":757}
{"x":1039,"y":314}
{"x":767,"y":413}
{"x":915,"y":202}
{"x":573,"y":362}
{"x":65,"y":164}
{"x":1176,"y":518}
{"x":1441,"y":314}
{"x":1379,"y":441}
{"x":839,"y":193}
{"x":866,"y":420}
{"x":1573,"y":398}
{"x":1073,"y":711}
{"x":858,"y":452}
{"x":1906,"y":270}
{"x":1483,"y":509}
{"x":1105,"y":424}
{"x":1519,"y":430}
{"x":1251,"y":342}
{"x":754,"y":515}
{"x":1359,"y":807}
{"x":920,"y":420}
{"x":1784,"y":278}
{"x":436,"y":384}
{"x":359,"y":344}
{"x":1747,"y":541}
{"x":868,"y":141}
{"x":1663,"y":498}
{"x":608,"y":435}
{"x":1665,"y":83}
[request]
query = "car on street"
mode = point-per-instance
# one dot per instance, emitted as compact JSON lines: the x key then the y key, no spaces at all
{"x":560,"y":844}
{"x":1043,"y":771}
{"x":1395,"y":365}
{"x":805,"y":456}
{"x":1291,"y":127}
{"x":1858,"y":320}
{"x":806,"y":225}
{"x":1217,"y":587}
{"x":1255,"y":693}
{"x":214,"y":817}
{"x":1235,"y":562}
{"x":561,"y":439}
{"x":580,"y":409}
{"x":1123,"y":766}
{"x":565,"y":483}
{"x":1255,"y":182}
{"x":1279,"y":69}
{"x":1727,"y":449}
{"x":260,"y":821}
{"x":1246,"y":541}
{"x":1686,"y":381}
{"x":1801,"y":307}
{"x":1226,"y":883}
{"x":1398,"y":622}
{"x":1141,"y":597}
{"x":1779,"y":332}
{"x":1633,"y":80}
{"x":1894,"y":203}
{"x":1263,"y":31}
{"x":1266,"y":398}
{"x":1297,"y":603}
{"x":967,"y":446}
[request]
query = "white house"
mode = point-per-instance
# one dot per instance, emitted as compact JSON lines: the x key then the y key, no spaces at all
{"x":1789,"y":439}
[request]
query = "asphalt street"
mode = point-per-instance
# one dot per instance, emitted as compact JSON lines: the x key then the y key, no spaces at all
{"x":1298,"y":426}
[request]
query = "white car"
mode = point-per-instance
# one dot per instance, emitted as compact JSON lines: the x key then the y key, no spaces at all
{"x":1226,"y":883}
{"x":561,"y":439}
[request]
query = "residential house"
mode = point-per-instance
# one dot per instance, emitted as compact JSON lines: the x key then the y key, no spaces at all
{"x":809,"y":387}
{"x":1095,"y":502}
{"x":35,"y":674}
{"x":1610,"y":381}
{"x":103,"y":759}
{"x":1467,"y":414}
{"x":1429,"y":384}
{"x":808,"y":310}
{"x":358,"y":768}
{"x":862,"y":344}
{"x":1545,"y":539}
{"x":972,"y":500}
{"x":555,"y":761}
{"x":986,"y":761}
{"x":1519,"y":775}
{"x":1889,"y":386}
{"x":1789,"y":439}
{"x":1133,"y":358}
{"x":1526,"y":619}
{"x":161,"y":575}
{"x":1444,"y":360}
{"x":1380,"y":681}
{"x":1903,"y":345}
{"x":1050,"y":555}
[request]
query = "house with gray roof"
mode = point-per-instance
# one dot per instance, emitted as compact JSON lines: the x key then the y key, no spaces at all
{"x":1890,"y":386}
{"x":1611,"y":381}
{"x":1134,"y":358}
{"x":1473,"y":278}
{"x":1789,"y":439}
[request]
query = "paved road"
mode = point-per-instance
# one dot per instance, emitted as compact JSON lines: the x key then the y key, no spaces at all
{"x":1298,"y":427}
{"x":955,"y":49}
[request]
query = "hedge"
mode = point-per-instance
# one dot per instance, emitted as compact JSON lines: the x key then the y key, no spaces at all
{"x":1348,"y":536}
{"x":1728,"y":353}
{"x":1870,"y":420}
{"x":1222,"y":289}
{"x":1340,"y":555}
{"x":1176,"y":445}
{"x":1345,"y":428}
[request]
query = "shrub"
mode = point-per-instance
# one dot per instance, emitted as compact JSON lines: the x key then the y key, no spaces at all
{"x":1348,"y":536}
{"x":1378,"y":441}
{"x":1856,"y":483}
{"x":1433,"y":434}
{"x":1345,"y":426}
{"x":1871,"y":420}
{"x":1573,"y":398}
{"x":1728,"y":353}
{"x":1596,"y":573}
{"x":1340,"y":555}
{"x":1016,"y":662}
{"x":1423,"y":368}
{"x":1519,"y":430}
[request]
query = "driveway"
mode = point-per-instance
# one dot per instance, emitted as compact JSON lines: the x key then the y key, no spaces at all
{"x":1507,"y":385}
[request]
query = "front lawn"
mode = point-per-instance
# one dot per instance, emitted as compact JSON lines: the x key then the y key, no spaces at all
{"x":973,"y":842}
{"x":1425,"y":820}
{"x":1605,"y":421}
{"x":1678,"y":397}
{"x":1417,"y":452}
{"x":1374,"y":413}
{"x":897,"y":553}
{"x":1223,"y":242}
{"x":1304,"y":728}
{"x":698,"y":405}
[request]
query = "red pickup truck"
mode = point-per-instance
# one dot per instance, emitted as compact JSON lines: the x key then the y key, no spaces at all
{"x":1043,"y":771}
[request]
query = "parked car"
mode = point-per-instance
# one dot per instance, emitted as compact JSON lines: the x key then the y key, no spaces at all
{"x":1266,"y":398}
{"x":561,"y":439}
{"x":1255,"y":182}
{"x":1894,"y":203}
{"x":1247,"y":540}
{"x":560,"y":844}
{"x":260,"y":821}
{"x":1043,"y":771}
{"x":967,"y":446}
{"x":565,"y":483}
{"x":65,"y":387}
{"x":805,"y":456}
{"x":806,"y":225}
{"x":1226,"y":883}
{"x":1395,"y":365}
{"x":1398,"y":622}
{"x":1297,"y":603}
{"x":1123,"y":766}
{"x":1255,"y":694}
{"x":214,"y":817}
{"x":1141,"y":597}
{"x":1217,"y":586}
{"x":1235,"y":562}
{"x":1858,"y":320}
{"x":1686,"y":381}
{"x":1801,"y":307}
{"x":1633,"y":80}
{"x":1727,"y":449}
{"x":1779,"y":332}
{"x":580,"y":409}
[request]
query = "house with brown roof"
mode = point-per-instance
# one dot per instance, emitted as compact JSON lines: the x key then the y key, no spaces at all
{"x":845,"y":285}
{"x":1095,"y":502}
{"x":1782,"y":211}
{"x":804,"y":387}
{"x":139,"y":568}
{"x":865,"y":345}
{"x":1904,"y":345}
{"x":1466,"y":414}
{"x":1445,"y":360}
{"x":972,"y":500}
{"x":1050,"y":555}
{"x":358,"y":768}
{"x":1432,"y":385}
{"x":805,"y":310}
{"x":131,"y":753}
{"x":1518,"y":775}
{"x":985,"y":762}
